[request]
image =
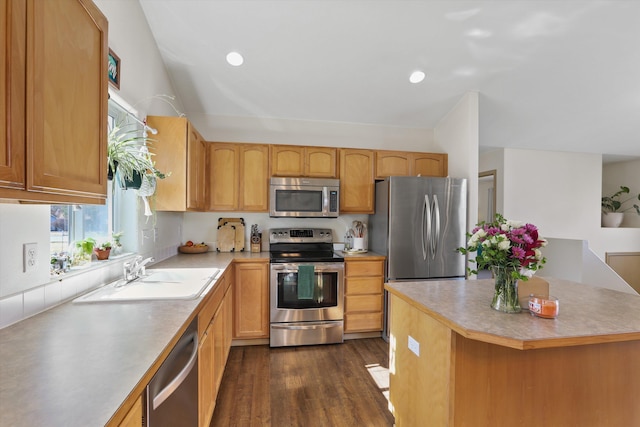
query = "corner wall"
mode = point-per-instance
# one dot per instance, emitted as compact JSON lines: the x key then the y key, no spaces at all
{"x":458,"y":134}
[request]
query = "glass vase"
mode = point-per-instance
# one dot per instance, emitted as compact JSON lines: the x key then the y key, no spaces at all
{"x":505,"y":298}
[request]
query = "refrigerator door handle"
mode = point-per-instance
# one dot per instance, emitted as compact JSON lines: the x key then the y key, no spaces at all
{"x":435,"y":208}
{"x":427,"y":237}
{"x":425,"y":209}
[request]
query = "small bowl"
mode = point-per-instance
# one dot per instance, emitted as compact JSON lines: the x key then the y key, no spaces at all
{"x":544,"y":306}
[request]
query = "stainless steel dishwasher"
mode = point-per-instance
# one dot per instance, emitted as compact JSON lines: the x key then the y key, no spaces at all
{"x":172,"y":393}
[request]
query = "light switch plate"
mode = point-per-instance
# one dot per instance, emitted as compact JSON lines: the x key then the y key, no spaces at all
{"x":29,"y":256}
{"x":414,"y":346}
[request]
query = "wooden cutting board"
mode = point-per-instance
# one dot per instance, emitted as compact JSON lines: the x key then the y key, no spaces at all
{"x":226,"y":238}
{"x":238,"y":223}
{"x":239,"y":238}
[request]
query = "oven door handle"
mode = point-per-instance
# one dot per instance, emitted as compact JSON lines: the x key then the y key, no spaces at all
{"x":290,"y":326}
{"x":319,"y":268}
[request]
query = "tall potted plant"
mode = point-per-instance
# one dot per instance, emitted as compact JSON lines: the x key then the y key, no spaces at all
{"x":613,"y":208}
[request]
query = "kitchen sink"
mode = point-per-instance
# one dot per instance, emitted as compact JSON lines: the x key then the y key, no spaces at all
{"x":156,"y":284}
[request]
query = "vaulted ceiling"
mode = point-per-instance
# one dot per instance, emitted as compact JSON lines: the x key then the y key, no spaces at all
{"x":552,"y":75}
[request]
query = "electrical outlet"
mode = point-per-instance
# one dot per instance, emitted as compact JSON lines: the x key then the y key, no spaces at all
{"x":29,"y":256}
{"x":414,"y":346}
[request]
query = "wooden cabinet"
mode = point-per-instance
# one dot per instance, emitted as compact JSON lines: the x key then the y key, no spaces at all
{"x":356,"y":181}
{"x":405,"y":163}
{"x":215,"y":330}
{"x":364,"y":285}
{"x":54,"y":101}
{"x":238,"y":177}
{"x":206,"y":400}
{"x":180,"y":152}
{"x":251,"y":300}
{"x":134,"y":416}
{"x":293,"y":160}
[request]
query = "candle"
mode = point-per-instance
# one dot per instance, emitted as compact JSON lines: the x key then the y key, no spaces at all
{"x":541,"y":306}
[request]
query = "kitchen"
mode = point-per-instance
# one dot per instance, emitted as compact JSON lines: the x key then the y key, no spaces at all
{"x":140,"y":84}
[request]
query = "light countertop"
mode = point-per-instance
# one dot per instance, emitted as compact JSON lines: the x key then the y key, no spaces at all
{"x":74,"y":365}
{"x":587,"y":315}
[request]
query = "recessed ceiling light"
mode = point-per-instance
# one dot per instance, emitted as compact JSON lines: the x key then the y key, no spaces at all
{"x":416,"y":77}
{"x":235,"y":59}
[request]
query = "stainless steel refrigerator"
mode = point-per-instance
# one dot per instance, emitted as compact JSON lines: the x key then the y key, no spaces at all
{"x":418,"y":224}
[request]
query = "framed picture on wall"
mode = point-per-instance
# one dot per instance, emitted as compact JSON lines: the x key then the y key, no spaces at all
{"x":114,"y":69}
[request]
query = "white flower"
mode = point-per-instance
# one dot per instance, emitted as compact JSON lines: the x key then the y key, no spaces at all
{"x":515,"y":224}
{"x":544,"y":242}
{"x":538,"y":254}
{"x":504,"y":245}
{"x":527,"y":272}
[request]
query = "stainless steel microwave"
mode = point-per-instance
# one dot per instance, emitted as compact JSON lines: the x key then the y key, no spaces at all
{"x":304,"y":197}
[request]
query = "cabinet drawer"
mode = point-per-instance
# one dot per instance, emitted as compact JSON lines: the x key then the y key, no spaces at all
{"x":364,"y":268}
{"x":355,"y":303}
{"x":363,"y":285}
{"x":214,"y":300}
{"x":362,"y":322}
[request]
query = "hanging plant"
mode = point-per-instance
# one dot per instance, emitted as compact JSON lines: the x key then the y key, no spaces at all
{"x":129,"y":158}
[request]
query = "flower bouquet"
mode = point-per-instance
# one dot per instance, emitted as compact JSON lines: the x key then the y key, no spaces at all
{"x":511,"y":249}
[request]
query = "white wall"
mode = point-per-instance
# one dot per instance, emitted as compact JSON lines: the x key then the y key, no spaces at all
{"x":560,"y":193}
{"x":458,"y":134}
{"x":556,"y":191}
{"x":317,"y":133}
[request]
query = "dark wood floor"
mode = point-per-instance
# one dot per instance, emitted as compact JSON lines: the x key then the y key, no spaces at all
{"x":327,"y":385}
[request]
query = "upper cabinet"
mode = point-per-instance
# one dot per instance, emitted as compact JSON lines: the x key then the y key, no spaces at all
{"x":180,"y":152}
{"x":356,"y":181}
{"x":293,"y":160}
{"x":54,"y":101}
{"x":403,"y":163}
{"x":238,"y":177}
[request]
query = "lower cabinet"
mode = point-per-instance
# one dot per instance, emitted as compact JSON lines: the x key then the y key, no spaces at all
{"x":134,"y":416}
{"x":215,"y":332}
{"x":364,"y":286}
{"x":251,"y":300}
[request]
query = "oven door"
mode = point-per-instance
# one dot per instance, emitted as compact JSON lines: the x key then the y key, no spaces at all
{"x":303,"y":292}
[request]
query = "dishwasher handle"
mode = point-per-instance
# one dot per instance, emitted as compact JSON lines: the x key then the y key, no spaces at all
{"x":175,"y":383}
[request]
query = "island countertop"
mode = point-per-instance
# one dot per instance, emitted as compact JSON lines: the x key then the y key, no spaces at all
{"x":588,"y":314}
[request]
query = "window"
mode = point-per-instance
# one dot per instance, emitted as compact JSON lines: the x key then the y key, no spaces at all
{"x":70,"y":223}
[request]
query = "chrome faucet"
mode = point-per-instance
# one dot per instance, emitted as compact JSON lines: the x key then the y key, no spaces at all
{"x":136,"y":268}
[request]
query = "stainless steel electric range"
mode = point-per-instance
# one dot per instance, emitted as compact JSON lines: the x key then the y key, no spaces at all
{"x":307,"y":287}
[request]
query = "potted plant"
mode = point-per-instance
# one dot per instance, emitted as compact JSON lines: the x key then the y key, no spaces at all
{"x":116,"y":244}
{"x":83,"y":251}
{"x":129,"y":158}
{"x":613,"y":209}
{"x":103,"y":250}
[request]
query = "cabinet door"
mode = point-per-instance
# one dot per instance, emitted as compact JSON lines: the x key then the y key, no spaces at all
{"x":320,"y":162}
{"x":196,"y":165}
{"x":170,"y":149}
{"x":206,"y":392}
{"x":219,"y":357}
{"x":430,"y":164}
{"x":12,"y":90}
{"x":287,"y":160}
{"x":254,"y":178}
{"x":66,"y":101}
{"x":356,"y":181}
{"x":392,"y":163}
{"x":251,"y":300}
{"x":223,"y":171}
{"x":364,"y":287}
{"x":134,"y":416}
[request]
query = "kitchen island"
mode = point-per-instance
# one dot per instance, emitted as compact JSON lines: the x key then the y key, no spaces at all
{"x":454,"y":361}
